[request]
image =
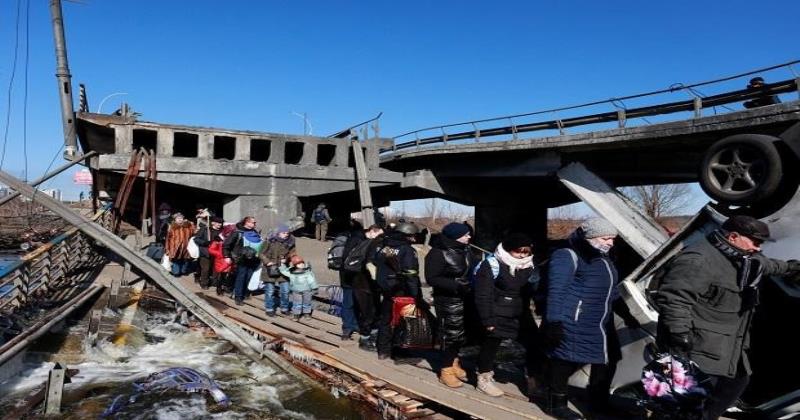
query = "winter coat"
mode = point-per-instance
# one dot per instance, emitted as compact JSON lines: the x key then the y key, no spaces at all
{"x":235,"y":241}
{"x":699,"y":293}
{"x":397,"y":265}
{"x":503,"y":302}
{"x":276,"y":252}
{"x":177,"y":238}
{"x":581,"y":291}
{"x":447,"y":261}
{"x":201,"y":239}
{"x":346,"y":277}
{"x":300,"y":280}
{"x":220,"y":265}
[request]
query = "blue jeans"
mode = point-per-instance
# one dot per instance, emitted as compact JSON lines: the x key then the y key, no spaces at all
{"x":269,"y":296}
{"x":243,"y":274}
{"x":181,"y":267}
{"x":349,"y":322}
{"x":301,"y":302}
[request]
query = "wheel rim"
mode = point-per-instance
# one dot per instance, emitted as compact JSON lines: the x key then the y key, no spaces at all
{"x":737,"y":170}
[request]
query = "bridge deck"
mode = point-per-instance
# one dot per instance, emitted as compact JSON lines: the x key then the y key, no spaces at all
{"x":415,"y":379}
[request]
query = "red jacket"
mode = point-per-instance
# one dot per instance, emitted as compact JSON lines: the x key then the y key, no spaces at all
{"x":220,"y":266}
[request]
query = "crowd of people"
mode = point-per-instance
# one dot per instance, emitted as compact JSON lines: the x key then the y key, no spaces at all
{"x":485,"y":298}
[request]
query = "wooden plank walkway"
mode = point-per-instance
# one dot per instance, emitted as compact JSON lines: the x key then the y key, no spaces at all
{"x":407,"y":385}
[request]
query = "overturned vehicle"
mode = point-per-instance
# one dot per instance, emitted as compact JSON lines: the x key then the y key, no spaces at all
{"x":754,"y":175}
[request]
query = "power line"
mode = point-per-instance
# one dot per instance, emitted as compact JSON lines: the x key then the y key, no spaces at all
{"x":25,"y":89}
{"x":11,"y":86}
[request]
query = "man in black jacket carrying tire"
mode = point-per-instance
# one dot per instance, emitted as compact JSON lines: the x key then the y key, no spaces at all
{"x":706,"y":299}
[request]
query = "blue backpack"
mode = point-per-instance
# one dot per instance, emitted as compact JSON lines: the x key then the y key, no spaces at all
{"x":494,"y":264}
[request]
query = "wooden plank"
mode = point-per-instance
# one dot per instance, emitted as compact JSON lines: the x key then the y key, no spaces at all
{"x":465,"y":399}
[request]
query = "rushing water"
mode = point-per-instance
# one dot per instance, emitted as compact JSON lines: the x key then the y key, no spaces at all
{"x":257,"y":391}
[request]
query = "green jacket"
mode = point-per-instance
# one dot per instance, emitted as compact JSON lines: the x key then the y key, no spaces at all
{"x":700,"y":294}
{"x":300,"y":281}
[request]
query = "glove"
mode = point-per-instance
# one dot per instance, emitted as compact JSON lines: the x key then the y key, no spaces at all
{"x":552,"y":334}
{"x":463,"y":286}
{"x":680,"y":344}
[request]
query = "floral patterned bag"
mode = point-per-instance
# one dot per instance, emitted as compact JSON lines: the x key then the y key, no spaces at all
{"x":675,"y":388}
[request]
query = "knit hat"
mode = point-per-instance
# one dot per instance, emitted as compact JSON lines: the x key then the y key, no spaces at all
{"x":597,"y":227}
{"x":296,"y":259}
{"x":455,"y":230}
{"x":514,"y":241}
{"x":217,"y":219}
{"x":283,"y":227}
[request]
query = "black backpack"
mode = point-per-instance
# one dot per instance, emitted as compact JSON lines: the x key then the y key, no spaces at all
{"x":336,"y":252}
{"x":357,"y":257}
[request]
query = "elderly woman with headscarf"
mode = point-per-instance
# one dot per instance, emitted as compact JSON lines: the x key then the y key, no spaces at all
{"x":279,"y":248}
{"x":178,"y":234}
{"x":579,"y":322}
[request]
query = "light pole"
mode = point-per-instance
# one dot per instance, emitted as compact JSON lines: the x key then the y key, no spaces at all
{"x":307,"y":128}
{"x":100,"y":106}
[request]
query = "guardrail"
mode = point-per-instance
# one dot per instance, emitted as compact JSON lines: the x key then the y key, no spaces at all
{"x":621,"y":114}
{"x":46,"y":269}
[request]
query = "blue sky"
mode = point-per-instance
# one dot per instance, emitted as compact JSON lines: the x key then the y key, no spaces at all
{"x":249,"y":65}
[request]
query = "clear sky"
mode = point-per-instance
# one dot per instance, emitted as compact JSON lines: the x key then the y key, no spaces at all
{"x":250,"y":64}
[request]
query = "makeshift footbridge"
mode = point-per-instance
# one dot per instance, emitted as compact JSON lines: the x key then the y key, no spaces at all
{"x":311,"y":349}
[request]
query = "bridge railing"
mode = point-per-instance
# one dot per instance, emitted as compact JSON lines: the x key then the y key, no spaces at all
{"x":442,"y":135}
{"x":47,"y":268}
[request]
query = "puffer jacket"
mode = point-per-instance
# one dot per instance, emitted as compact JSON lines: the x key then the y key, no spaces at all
{"x":300,"y":280}
{"x":582,"y":290}
{"x":220,"y":265}
{"x":447,"y":261}
{"x":503,"y":302}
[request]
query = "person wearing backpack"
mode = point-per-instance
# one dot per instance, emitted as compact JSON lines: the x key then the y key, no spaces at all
{"x":447,"y":267}
{"x":279,"y":248}
{"x":397,"y":274}
{"x":346,"y":277}
{"x":242,"y":248}
{"x":503,"y":289}
{"x":579,"y":327}
{"x":321,"y":218}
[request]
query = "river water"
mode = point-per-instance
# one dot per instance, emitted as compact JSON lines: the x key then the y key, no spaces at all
{"x":257,"y":391}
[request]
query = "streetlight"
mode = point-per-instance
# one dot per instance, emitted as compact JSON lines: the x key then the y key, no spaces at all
{"x":99,"y":107}
{"x":307,"y":128}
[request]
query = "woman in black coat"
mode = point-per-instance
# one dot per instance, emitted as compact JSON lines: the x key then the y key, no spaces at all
{"x":447,"y":268}
{"x":504,"y":284}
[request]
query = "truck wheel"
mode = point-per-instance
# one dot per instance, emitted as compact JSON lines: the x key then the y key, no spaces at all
{"x":741,"y":169}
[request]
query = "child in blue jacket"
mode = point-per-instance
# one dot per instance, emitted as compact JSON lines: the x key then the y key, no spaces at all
{"x":302,"y":284}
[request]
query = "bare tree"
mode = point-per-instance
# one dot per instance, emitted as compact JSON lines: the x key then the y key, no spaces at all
{"x":660,"y":200}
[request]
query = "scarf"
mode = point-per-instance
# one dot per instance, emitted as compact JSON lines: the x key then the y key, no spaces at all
{"x":513,"y":264}
{"x":749,"y":268}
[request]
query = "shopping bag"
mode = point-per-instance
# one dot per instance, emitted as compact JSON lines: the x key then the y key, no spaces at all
{"x":166,"y":263}
{"x":192,"y":248}
{"x":255,"y":281}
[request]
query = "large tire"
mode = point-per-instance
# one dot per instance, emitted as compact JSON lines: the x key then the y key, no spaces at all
{"x":741,"y":169}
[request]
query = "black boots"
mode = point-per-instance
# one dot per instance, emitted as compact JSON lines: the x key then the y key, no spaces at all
{"x":558,"y":407}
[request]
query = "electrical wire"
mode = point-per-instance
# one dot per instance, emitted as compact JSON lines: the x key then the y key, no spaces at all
{"x":25,"y":89}
{"x":11,"y":86}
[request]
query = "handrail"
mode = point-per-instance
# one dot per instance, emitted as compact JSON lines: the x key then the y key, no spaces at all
{"x":617,"y":115}
{"x":776,"y":88}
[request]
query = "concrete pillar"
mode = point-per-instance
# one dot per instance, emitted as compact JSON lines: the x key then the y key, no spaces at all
{"x":493,"y":221}
{"x":342,"y":152}
{"x":123,"y":139}
{"x":242,"y":148}
{"x":372,"y":156}
{"x":269,"y":210}
{"x":205,"y":146}
{"x":277,"y":151}
{"x":165,"y":141}
{"x":309,"y":153}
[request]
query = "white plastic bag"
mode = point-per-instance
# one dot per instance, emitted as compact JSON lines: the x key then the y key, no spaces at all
{"x":166,"y":263}
{"x":194,"y":250}
{"x":255,"y":280}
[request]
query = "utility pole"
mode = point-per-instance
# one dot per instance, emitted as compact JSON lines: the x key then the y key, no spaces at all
{"x":64,"y":81}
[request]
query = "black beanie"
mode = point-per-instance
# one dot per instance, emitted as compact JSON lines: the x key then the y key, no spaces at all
{"x":514,"y":241}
